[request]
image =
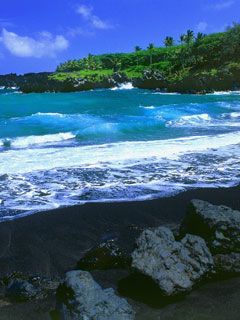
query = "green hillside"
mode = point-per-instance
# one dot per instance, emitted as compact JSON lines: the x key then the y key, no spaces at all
{"x":213,"y":57}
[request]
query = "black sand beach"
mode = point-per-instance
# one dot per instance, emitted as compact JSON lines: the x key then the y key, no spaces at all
{"x":50,"y":243}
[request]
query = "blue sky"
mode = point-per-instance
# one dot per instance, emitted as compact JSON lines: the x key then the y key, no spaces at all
{"x":38,"y":35}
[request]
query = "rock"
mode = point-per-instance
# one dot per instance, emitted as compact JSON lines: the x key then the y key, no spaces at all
{"x":151,"y":79}
{"x":174,"y":265}
{"x":21,"y":290}
{"x":106,"y":256}
{"x":81,"y":298}
{"x":218,"y":225}
{"x":227,"y":263}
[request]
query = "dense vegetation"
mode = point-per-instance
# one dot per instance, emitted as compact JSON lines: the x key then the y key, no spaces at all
{"x":202,"y":58}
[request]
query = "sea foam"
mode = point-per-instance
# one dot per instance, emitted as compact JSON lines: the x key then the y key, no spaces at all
{"x":24,"y":142}
{"x":124,"y":86}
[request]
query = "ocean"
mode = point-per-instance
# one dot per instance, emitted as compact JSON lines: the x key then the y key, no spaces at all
{"x":121,"y":144}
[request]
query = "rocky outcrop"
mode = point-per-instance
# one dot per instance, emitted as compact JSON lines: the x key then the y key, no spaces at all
{"x":218,"y":225}
{"x":18,"y":287}
{"x":174,"y":265}
{"x":107,"y":255}
{"x":42,"y":82}
{"x":226,"y":264}
{"x":21,"y":290}
{"x":151,"y":79}
{"x":81,"y":298}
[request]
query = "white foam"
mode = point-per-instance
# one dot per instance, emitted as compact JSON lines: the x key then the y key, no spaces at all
{"x":190,"y":120}
{"x":223,"y":93}
{"x":48,"y":114}
{"x":168,"y":93}
{"x":147,"y":107}
{"x":235,"y":114}
{"x":22,"y":161}
{"x":124,"y":86}
{"x":24,"y":142}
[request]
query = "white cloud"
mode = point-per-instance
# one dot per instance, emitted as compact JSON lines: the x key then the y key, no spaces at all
{"x":201,"y":26}
{"x":46,"y":45}
{"x":87,"y":13}
{"x":222,"y":5}
{"x":78,"y":31}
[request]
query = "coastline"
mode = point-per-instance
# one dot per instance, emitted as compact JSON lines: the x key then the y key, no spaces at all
{"x":43,"y":83}
{"x":50,"y":243}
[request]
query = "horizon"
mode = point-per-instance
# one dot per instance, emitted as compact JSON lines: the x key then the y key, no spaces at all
{"x":33,"y":39}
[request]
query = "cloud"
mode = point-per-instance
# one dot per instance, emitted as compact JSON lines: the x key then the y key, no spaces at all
{"x":87,"y":13}
{"x":201,"y":26}
{"x":78,"y":31}
{"x":45,"y":45}
{"x":222,"y":5}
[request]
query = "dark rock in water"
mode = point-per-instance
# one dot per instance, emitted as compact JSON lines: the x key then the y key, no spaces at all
{"x":176,"y":266}
{"x":227,"y":264}
{"x":21,"y":290}
{"x":107,"y":256}
{"x":80,"y":298}
{"x":218,"y":225}
{"x":6,"y":143}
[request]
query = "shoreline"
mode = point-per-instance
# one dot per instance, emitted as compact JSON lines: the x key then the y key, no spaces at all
{"x":49,"y":243}
{"x":43,"y":83}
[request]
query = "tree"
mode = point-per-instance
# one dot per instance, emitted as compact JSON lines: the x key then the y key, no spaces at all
{"x":150,"y":49}
{"x":182,"y":38}
{"x":116,"y":63}
{"x":150,"y":46}
{"x":169,"y":42}
{"x":189,"y":37}
{"x":137,"y":49}
{"x":200,"y":36}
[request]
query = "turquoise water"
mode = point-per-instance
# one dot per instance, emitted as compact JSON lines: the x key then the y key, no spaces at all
{"x":110,"y":145}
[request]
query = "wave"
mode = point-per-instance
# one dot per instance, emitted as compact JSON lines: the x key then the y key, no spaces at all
{"x":113,"y":154}
{"x":222,"y":93}
{"x":168,"y":93}
{"x":147,"y":107}
{"x":235,"y":114}
{"x":193,"y":120}
{"x":43,"y":179}
{"x":24,"y":142}
{"x":49,"y":114}
{"x":124,"y":86}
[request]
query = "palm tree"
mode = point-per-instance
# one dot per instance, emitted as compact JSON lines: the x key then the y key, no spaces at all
{"x":150,"y":46}
{"x":200,"y":36}
{"x":182,"y":38}
{"x":150,"y":49}
{"x":189,"y":37}
{"x":169,"y":42}
{"x":137,"y":49}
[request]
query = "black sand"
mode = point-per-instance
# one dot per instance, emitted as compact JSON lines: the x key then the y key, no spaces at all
{"x":50,"y":243}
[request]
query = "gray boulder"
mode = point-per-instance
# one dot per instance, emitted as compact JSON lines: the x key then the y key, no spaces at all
{"x":218,"y":225}
{"x":174,"y":265}
{"x":81,"y":298}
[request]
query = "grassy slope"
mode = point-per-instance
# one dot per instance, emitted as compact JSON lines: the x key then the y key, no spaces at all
{"x":216,"y":56}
